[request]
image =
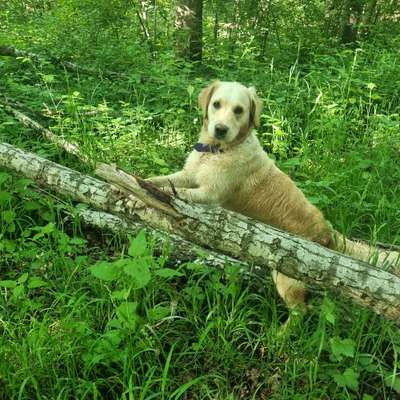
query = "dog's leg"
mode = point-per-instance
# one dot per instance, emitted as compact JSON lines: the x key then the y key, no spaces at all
{"x":292,"y":291}
{"x":178,"y":179}
{"x":365,"y":252}
{"x":200,"y":195}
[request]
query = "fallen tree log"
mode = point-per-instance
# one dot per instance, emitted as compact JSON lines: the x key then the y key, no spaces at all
{"x":49,"y":135}
{"x":18,"y":105}
{"x":180,"y":249}
{"x":222,"y":231}
{"x":11,"y":51}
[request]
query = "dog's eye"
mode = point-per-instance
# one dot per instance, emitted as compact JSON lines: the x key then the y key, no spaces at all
{"x":238,"y":110}
{"x":217,"y":104}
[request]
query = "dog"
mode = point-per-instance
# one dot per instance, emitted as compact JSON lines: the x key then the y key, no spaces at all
{"x":229,"y":168}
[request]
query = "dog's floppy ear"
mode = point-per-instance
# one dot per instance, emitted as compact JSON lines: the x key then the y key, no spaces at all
{"x":255,"y":108}
{"x":205,"y":96}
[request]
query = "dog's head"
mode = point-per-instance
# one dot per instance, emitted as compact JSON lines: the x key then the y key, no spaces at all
{"x":230,"y":111}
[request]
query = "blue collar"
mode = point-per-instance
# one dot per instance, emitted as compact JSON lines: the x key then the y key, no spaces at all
{"x":208,"y":148}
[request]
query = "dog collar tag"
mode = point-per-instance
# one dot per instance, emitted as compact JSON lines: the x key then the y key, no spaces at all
{"x":208,"y":148}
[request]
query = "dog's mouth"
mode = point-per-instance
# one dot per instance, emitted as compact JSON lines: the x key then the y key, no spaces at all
{"x":222,"y":133}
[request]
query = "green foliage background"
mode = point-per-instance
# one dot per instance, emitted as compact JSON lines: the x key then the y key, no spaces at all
{"x":88,"y":315}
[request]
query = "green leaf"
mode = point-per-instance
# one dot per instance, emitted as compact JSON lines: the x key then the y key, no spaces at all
{"x":114,"y":324}
{"x":138,"y":245}
{"x":159,"y":312}
{"x":48,"y":78}
{"x":366,"y":362}
{"x":342,"y":347}
{"x":328,"y":310}
{"x":190,"y":90}
{"x":5,"y":197}
{"x":8,"y":284}
{"x":8,"y":216}
{"x":23,"y":183}
{"x":316,"y":200}
{"x":36,"y":282}
{"x":18,"y":291}
{"x":168,"y":272}
{"x":11,"y":227}
{"x":23,"y":278}
{"x":126,"y":313}
{"x":138,"y":270}
{"x":113,"y":337}
{"x":348,"y":379}
{"x":367,"y":397}
{"x":44,"y":230}
{"x":122,"y":294}
{"x":31,"y":205}
{"x":47,"y":216}
{"x":77,"y":241}
{"x":164,"y":170}
{"x":393,"y":382}
{"x":8,"y":245}
{"x":49,"y":228}
{"x":4,"y":177}
{"x":159,"y":161}
{"x":105,"y":271}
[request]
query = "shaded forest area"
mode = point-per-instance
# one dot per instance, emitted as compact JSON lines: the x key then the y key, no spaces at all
{"x":123,"y":313}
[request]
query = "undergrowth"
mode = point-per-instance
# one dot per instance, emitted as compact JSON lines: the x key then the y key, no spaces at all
{"x":87,"y":315}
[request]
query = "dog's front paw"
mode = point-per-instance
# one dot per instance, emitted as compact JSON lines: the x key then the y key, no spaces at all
{"x":158,"y":181}
{"x":182,"y":194}
{"x":168,"y":189}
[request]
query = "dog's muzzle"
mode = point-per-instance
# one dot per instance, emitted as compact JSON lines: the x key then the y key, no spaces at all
{"x":220,"y":131}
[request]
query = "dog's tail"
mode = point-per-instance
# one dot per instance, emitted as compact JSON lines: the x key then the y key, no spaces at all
{"x":376,"y":255}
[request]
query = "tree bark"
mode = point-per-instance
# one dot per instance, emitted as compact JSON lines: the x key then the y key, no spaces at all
{"x":180,"y":250}
{"x":222,"y":231}
{"x":351,"y":19}
{"x":189,"y":29}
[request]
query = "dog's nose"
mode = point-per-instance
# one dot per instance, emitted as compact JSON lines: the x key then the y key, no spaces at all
{"x":220,"y":131}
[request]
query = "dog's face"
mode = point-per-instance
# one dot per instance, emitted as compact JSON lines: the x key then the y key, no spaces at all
{"x":230,"y":110}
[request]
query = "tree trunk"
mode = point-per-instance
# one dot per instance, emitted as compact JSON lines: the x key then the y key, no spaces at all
{"x":351,"y":17}
{"x":368,"y":17}
{"x":342,"y":18}
{"x":189,"y":29}
{"x":220,"y":230}
{"x":262,"y":25}
{"x":216,"y":25}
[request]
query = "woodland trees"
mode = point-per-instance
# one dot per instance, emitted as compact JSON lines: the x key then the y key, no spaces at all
{"x":344,"y":20}
{"x":264,"y":23}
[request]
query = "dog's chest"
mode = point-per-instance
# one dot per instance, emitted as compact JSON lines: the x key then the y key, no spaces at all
{"x":218,"y":168}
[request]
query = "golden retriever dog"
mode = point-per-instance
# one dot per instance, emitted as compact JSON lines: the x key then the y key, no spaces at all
{"x":229,"y":168}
